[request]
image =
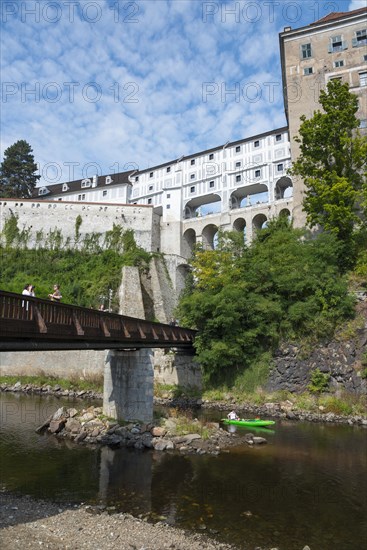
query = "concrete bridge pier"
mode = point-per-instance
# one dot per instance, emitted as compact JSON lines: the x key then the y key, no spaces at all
{"x":128,"y":385}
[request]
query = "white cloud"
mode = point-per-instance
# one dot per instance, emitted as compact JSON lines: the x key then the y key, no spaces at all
{"x":131,"y":85}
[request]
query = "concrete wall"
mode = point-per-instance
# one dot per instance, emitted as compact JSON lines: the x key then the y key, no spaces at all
{"x":128,"y":385}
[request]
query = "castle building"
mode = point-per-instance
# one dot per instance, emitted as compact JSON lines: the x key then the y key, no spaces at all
{"x":332,"y":47}
{"x":240,"y":185}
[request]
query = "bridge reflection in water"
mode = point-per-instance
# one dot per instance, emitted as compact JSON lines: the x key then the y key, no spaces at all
{"x":33,"y":324}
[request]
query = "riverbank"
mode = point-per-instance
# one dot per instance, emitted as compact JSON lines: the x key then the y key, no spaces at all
{"x":35,"y":524}
{"x":305,"y":407}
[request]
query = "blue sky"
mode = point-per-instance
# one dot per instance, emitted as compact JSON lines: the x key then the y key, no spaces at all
{"x":102,"y":86}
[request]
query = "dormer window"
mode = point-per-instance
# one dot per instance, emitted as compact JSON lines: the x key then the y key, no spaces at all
{"x":65,"y":187}
{"x":43,"y":191}
{"x":86,"y":183}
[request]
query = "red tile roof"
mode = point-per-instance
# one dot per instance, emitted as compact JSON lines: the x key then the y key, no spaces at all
{"x":339,"y":15}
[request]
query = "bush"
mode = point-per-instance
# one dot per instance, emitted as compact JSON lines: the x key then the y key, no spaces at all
{"x":319,"y":381}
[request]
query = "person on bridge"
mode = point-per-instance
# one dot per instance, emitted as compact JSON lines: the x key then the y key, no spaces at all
{"x":56,"y":295}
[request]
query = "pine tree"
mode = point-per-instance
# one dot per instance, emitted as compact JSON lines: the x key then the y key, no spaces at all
{"x":17,"y":171}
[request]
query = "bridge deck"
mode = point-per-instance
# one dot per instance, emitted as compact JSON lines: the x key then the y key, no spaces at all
{"x":28,"y":324}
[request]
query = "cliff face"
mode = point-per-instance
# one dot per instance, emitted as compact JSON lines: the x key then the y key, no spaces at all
{"x":341,"y":359}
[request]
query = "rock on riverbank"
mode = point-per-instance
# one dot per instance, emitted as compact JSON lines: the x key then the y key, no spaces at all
{"x":89,"y":426}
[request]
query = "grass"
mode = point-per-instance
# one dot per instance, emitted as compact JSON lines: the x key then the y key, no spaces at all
{"x":75,"y":383}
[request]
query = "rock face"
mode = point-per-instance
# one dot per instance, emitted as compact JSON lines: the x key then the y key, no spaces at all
{"x":342,"y":360}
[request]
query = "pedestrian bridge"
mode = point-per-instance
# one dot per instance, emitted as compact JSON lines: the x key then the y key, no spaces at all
{"x":30,"y":324}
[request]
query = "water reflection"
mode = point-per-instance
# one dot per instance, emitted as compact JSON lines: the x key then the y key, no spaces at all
{"x":307,"y":486}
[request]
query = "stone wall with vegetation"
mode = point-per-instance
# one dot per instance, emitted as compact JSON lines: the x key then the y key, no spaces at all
{"x":342,"y":362}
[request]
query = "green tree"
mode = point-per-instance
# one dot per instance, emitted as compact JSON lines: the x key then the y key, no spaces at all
{"x":243,"y":301}
{"x":332,"y":164}
{"x":17,"y":171}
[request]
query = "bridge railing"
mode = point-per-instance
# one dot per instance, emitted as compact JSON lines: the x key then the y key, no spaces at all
{"x":24,"y":317}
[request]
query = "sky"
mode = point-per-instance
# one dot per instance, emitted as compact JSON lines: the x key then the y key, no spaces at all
{"x":104,"y":86}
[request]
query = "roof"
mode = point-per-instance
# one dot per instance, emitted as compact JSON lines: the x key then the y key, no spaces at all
{"x":339,"y":15}
{"x":73,"y":186}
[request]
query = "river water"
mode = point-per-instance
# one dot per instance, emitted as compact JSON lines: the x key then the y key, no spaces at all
{"x":308,"y":485}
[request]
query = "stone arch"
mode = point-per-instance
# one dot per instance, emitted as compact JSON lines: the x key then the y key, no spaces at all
{"x":283,"y":188}
{"x":240,"y":225}
{"x":285,"y":212}
{"x":188,"y":243}
{"x":259,"y":221}
{"x":208,"y":236}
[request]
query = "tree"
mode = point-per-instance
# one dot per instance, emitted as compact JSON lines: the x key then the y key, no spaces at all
{"x":243,"y":301}
{"x":17,"y":171}
{"x":332,"y":164}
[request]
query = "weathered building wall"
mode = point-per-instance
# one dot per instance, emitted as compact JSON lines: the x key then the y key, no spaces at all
{"x":46,"y":216}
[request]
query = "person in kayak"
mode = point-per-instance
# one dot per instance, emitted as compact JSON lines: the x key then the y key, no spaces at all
{"x":233,"y":416}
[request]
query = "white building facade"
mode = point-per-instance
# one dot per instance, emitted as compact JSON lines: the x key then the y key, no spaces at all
{"x":238,"y":185}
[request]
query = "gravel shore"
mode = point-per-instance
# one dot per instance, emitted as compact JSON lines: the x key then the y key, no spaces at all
{"x":31,"y":524}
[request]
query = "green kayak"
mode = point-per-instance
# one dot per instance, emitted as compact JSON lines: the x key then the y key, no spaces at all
{"x":255,"y":422}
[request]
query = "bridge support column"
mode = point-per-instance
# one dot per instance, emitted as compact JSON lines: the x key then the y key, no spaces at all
{"x":128,"y":385}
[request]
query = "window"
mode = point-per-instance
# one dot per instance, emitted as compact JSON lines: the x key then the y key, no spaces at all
{"x":168,"y":206}
{"x":360,"y":38}
{"x":104,"y":194}
{"x":79,"y":197}
{"x":136,"y":178}
{"x":337,"y":44}
{"x":192,"y":189}
{"x":336,"y":78}
{"x":280,"y":167}
{"x":238,"y":178}
{"x":192,"y":176}
{"x":238,"y":149}
{"x":151,"y":174}
{"x":168,"y":169}
{"x":278,"y":137}
{"x":306,"y":51}
{"x":211,"y":156}
{"x":150,"y":188}
{"x":149,"y":201}
{"x":86,"y":183}
{"x":257,"y":143}
{"x":365,"y":57}
{"x":307,"y":70}
{"x":363,"y":78}
{"x":192,"y":162}
{"x":339,"y":63}
{"x":211,"y":184}
{"x":168,"y":195}
{"x":65,"y":187}
{"x":257,"y":173}
{"x":238,"y":164}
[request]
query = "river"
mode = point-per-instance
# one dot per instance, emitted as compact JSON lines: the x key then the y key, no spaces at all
{"x":308,"y":485}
